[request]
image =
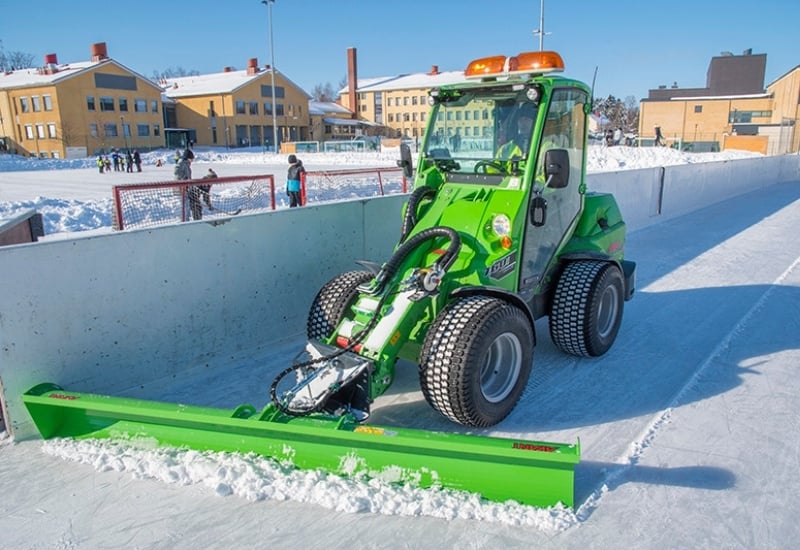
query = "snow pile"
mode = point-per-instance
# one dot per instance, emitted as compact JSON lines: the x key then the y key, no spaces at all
{"x":254,"y":477}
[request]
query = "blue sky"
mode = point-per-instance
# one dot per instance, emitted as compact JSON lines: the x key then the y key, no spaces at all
{"x":636,"y":46}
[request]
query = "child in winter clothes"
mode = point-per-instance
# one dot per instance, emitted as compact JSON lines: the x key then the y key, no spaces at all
{"x":293,"y":181}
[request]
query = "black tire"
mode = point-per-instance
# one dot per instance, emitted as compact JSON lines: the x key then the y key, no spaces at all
{"x":476,"y":360}
{"x":332,"y":301}
{"x":587,"y":308}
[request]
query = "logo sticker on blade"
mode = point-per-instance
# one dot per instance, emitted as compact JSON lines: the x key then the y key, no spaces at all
{"x":374,"y":430}
{"x":62,"y":396}
{"x":535,"y":447}
{"x":502,"y":267}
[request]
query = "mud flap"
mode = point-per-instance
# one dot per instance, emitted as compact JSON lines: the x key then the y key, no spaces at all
{"x":530,"y":472}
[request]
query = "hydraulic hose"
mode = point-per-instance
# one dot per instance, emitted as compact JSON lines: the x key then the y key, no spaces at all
{"x":410,"y":218}
{"x":443,"y":263}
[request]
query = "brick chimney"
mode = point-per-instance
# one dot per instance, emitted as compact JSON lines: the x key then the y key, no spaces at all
{"x":434,"y":70}
{"x":252,"y":65}
{"x":99,"y":51}
{"x":50,"y":63}
{"x":352,"y":80}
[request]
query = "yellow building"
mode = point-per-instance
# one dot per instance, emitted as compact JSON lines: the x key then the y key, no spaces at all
{"x":733,"y":111}
{"x":401,"y":102}
{"x":77,"y":109}
{"x":235,"y":108}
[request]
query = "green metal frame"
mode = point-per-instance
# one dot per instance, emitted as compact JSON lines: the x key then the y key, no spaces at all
{"x":530,"y":472}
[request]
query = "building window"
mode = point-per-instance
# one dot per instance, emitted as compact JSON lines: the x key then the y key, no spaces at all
{"x":388,"y":101}
{"x":267,"y":108}
{"x":29,"y":131}
{"x":24,"y":105}
{"x":156,"y":130}
{"x":123,"y":104}
{"x":143,"y":130}
{"x":279,"y":109}
{"x":93,"y":129}
{"x":140,"y":105}
{"x":106,"y":103}
{"x":110,"y":129}
{"x":37,"y":103}
{"x":390,"y":117}
{"x":40,"y":131}
{"x":153,"y":105}
{"x":405,"y":100}
{"x":253,"y":107}
{"x":414,"y":100}
{"x":240,"y":107}
{"x":51,"y":130}
{"x":90,"y":103}
{"x":698,"y":108}
{"x":48,"y":102}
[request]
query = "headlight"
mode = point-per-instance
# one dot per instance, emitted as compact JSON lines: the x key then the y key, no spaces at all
{"x":501,"y":225}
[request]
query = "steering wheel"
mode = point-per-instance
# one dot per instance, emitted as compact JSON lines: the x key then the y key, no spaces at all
{"x":482,"y":166}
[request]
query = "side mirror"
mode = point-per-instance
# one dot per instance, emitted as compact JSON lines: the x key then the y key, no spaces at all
{"x":556,"y":168}
{"x":405,"y":161}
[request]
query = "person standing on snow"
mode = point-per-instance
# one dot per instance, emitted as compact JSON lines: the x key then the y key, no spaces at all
{"x":293,"y":181}
{"x":183,"y":172}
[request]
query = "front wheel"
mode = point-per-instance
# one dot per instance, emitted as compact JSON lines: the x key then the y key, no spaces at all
{"x":476,"y":360}
{"x":332,"y":301}
{"x":587,"y":308}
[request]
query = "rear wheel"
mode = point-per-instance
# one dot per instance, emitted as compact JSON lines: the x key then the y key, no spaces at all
{"x":587,"y":308}
{"x":476,"y":360}
{"x":332,"y":301}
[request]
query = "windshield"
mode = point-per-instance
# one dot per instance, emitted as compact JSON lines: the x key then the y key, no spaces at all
{"x":481,"y":131}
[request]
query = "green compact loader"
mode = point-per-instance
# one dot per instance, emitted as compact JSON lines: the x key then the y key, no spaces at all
{"x":498,"y":231}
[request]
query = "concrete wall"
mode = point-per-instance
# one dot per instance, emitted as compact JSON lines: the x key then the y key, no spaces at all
{"x":653,"y":195}
{"x":107,"y":313}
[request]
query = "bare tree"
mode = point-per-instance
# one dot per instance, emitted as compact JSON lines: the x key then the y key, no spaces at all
{"x":324,"y":92}
{"x":14,"y":60}
{"x":173,"y":72}
{"x":620,"y":114}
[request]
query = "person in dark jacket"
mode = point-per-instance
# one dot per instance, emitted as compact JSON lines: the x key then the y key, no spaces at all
{"x":293,"y":177}
{"x":137,"y":160}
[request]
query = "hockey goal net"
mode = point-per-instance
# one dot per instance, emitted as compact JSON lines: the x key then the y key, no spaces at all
{"x":150,"y":204}
{"x":320,"y":186}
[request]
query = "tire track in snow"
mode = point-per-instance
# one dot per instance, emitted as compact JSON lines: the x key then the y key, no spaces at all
{"x":646,"y":438}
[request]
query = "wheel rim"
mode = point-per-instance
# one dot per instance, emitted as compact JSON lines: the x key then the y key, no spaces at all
{"x":608,"y":311}
{"x":501,"y":367}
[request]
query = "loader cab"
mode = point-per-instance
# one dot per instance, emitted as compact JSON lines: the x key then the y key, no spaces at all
{"x":557,"y":196}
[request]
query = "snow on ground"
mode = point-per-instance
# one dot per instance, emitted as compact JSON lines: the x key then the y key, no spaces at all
{"x":72,"y":195}
{"x":688,"y":426}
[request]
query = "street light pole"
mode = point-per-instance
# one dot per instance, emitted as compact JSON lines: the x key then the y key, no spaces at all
{"x":122,"y":118}
{"x":272,"y":74}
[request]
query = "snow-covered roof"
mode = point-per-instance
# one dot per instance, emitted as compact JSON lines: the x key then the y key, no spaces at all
{"x":327,"y":108}
{"x":225,"y":82}
{"x":407,"y":81}
{"x":333,"y":121}
{"x":33,"y":77}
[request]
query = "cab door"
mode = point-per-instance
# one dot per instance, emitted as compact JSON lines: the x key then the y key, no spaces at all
{"x":564,"y":128}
